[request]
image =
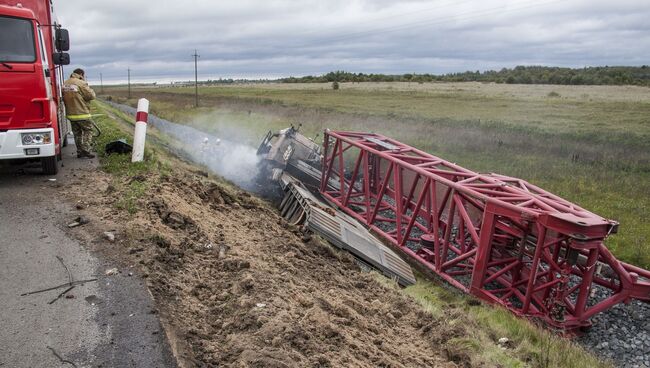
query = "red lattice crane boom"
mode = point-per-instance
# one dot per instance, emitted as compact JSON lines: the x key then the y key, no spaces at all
{"x":501,"y":239}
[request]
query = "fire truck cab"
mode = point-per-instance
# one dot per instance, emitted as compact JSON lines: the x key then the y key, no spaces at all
{"x":33,"y":125}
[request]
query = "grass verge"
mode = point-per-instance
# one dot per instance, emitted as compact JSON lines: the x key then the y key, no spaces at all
{"x":527,"y":346}
{"x":126,"y":175}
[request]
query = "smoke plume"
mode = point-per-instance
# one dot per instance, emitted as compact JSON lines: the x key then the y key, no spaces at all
{"x":229,"y":159}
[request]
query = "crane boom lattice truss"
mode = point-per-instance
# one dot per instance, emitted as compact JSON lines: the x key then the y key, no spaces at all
{"x":501,"y":239}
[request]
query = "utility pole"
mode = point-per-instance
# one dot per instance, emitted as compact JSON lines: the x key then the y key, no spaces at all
{"x":196,"y":79}
{"x":129,"y":79}
{"x":101,"y":82}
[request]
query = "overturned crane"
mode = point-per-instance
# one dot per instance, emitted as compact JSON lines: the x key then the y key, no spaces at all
{"x":501,"y":239}
{"x":293,"y":161}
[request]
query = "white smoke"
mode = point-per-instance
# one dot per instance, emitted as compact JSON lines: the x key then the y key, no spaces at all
{"x":234,"y":161}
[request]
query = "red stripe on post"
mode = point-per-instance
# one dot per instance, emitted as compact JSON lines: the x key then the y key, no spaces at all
{"x":141,"y":116}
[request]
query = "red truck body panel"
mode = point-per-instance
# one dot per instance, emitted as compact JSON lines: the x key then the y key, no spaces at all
{"x":30,"y":92}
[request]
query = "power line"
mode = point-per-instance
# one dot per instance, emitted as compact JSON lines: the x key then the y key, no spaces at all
{"x":196,"y":79}
{"x":428,"y":22}
{"x":503,"y":9}
{"x":392,"y":16}
{"x":128,"y":71}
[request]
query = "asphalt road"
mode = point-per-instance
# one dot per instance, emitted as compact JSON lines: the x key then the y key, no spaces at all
{"x":108,"y":323}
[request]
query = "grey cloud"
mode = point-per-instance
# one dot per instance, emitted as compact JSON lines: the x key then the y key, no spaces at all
{"x":248,"y":38}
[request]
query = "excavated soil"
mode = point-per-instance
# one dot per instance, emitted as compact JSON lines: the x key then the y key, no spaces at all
{"x":237,"y":287}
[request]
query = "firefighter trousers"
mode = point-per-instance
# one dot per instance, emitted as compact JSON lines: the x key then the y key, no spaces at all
{"x":83,"y":135}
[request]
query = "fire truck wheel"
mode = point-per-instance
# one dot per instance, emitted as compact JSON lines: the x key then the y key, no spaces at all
{"x":49,"y":165}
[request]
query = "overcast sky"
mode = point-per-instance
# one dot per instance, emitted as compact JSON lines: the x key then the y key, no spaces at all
{"x":277,"y":38}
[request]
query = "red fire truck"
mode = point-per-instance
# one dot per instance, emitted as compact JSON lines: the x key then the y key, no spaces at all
{"x":32,"y":117}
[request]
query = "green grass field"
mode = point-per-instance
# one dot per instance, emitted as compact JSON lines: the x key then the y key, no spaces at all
{"x":589,"y":144}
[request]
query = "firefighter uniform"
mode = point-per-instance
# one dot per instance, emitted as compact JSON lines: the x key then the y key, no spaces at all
{"x":77,"y":96}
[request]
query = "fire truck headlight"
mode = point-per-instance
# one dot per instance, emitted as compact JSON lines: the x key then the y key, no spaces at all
{"x":36,"y":138}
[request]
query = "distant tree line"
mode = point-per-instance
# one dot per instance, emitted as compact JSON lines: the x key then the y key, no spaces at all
{"x":605,"y":75}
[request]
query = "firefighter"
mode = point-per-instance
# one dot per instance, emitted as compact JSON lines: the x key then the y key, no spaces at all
{"x":77,"y":96}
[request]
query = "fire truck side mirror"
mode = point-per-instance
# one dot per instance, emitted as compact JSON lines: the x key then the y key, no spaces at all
{"x":62,"y":39}
{"x":61,"y":58}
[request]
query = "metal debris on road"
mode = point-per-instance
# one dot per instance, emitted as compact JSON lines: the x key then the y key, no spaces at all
{"x":60,"y":295}
{"x":61,"y":358}
{"x":67,"y":270}
{"x":67,"y":284}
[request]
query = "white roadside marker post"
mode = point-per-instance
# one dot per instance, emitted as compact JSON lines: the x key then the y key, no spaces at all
{"x":140,"y":130}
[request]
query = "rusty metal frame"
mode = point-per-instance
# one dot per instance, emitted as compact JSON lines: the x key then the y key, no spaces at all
{"x":501,"y":239}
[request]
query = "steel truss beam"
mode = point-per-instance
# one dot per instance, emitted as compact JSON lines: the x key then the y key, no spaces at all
{"x":499,"y":238}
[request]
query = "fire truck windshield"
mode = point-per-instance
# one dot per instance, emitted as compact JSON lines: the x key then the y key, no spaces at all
{"x":17,"y":40}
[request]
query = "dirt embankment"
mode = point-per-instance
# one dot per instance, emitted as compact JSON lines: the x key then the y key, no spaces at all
{"x":237,"y":287}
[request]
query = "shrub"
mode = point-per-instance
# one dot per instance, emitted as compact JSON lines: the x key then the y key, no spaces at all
{"x":335,"y":85}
